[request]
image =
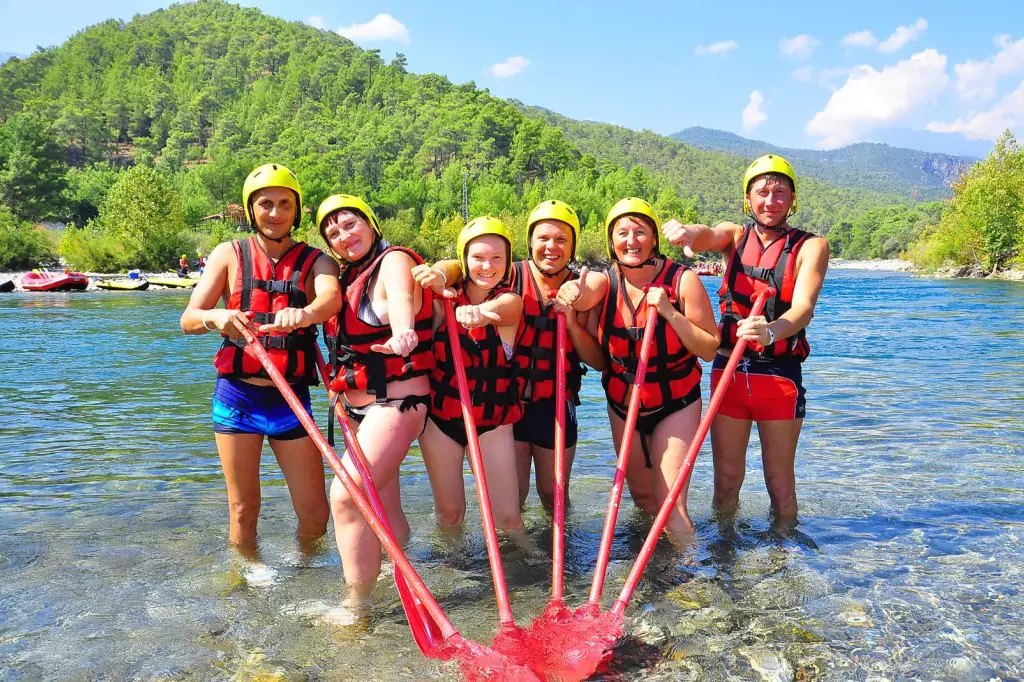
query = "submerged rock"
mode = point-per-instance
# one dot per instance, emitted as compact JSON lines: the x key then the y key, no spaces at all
{"x":771,"y":666}
{"x":698,"y":594}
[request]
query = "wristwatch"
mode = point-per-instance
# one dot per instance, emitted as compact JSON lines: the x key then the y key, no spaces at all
{"x":771,"y":335}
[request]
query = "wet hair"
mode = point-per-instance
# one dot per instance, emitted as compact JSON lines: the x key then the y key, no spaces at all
{"x":773,"y":177}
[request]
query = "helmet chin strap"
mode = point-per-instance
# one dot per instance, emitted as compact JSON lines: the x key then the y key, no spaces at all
{"x":370,"y":254}
{"x":653,"y":260}
{"x":276,"y":240}
{"x":556,"y":273}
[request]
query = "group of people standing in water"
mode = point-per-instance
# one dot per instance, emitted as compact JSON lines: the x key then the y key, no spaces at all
{"x":391,"y":365}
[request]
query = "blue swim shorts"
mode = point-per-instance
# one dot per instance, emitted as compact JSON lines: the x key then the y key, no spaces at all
{"x":240,"y":407}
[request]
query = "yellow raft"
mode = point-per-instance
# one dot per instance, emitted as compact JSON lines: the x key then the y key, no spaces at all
{"x":123,"y":284}
{"x":180,"y":282}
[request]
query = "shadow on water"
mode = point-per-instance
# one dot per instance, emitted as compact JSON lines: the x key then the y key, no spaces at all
{"x":905,"y":564}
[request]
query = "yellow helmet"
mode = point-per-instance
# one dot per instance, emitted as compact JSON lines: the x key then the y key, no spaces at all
{"x":337,"y":202}
{"x":769,"y":163}
{"x":184,"y":256}
{"x":478,"y":227}
{"x":553,"y":209}
{"x":631,"y":206}
{"x":271,"y":175}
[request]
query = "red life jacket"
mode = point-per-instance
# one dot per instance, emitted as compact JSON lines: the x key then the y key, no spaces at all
{"x":751,"y":269}
{"x":263,"y":288}
{"x":349,"y":338}
{"x":494,"y":381}
{"x":673,"y":370}
{"x":536,"y":351}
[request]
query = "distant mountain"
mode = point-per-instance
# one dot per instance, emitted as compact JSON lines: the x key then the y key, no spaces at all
{"x":926,"y":140}
{"x":4,"y":56}
{"x":866,"y":165}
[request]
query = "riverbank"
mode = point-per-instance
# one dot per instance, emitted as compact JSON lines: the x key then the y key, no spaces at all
{"x":16,"y":278}
{"x":976,"y":272}
{"x":887,"y":265}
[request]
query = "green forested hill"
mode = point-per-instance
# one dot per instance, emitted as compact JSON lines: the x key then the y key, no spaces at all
{"x":203,"y":92}
{"x":867,"y":165}
{"x":712,"y":179}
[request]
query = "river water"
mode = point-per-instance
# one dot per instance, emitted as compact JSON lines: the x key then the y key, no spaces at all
{"x":906,"y":563}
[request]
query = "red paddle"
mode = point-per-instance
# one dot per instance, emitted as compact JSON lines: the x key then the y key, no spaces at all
{"x":615,"y":498}
{"x":425,"y":630}
{"x":558,"y":531}
{"x":476,"y":661}
{"x":587,"y":636}
{"x":687,"y":467}
{"x":476,"y":459}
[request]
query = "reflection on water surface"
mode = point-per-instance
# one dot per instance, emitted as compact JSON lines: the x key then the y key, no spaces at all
{"x":906,"y":564}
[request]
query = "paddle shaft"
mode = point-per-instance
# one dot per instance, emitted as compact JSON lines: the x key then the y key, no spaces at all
{"x":424,"y":630}
{"x":558,"y":529}
{"x":386,"y":538}
{"x":668,"y":506}
{"x":629,"y":429}
{"x":477,"y":461}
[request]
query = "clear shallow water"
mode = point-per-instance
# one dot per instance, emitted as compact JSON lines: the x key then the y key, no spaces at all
{"x":906,"y":564}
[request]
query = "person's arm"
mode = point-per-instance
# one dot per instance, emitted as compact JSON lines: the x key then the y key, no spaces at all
{"x":695,"y":326}
{"x":585,"y":344}
{"x":201,"y":315}
{"x":326,"y":301}
{"x":585,"y":292}
{"x":722,"y":237}
{"x":503,"y":311}
{"x":404,"y":298}
{"x":441,"y":276}
{"x":811,"y":266}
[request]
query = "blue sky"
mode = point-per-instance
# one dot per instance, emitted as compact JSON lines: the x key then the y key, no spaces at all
{"x":803,"y":74}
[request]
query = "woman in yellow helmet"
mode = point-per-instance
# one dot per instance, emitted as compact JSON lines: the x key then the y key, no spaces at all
{"x":768,"y":390}
{"x":553,"y":231}
{"x":282,"y":288}
{"x":489,"y":316}
{"x":380,"y":359}
{"x":670,"y":404}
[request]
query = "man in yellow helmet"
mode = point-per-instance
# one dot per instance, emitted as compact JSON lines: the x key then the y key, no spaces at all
{"x":280,"y":288}
{"x":553,"y":231}
{"x":768,"y":389}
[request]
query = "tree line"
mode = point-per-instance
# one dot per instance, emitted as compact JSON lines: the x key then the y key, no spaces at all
{"x":132,"y":132}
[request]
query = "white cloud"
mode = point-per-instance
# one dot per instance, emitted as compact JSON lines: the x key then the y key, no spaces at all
{"x":315,"y":21}
{"x":798,"y":47}
{"x":903,"y":35}
{"x":721,"y":47}
{"x":804,"y":73}
{"x":825,"y":76}
{"x":1008,"y":113}
{"x":510,"y":67}
{"x":753,"y":116}
{"x":381,"y":27}
{"x":860,"y":39}
{"x":871,"y":99}
{"x":978,"y":79}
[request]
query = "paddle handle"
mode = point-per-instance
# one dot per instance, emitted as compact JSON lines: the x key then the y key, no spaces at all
{"x":383,"y":535}
{"x":667,"y":507}
{"x":424,"y":630}
{"x":476,"y":459}
{"x":625,"y":446}
{"x":558,"y":530}
{"x":352,"y":443}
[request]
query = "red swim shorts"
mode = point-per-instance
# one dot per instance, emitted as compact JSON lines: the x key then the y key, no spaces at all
{"x":762,"y":390}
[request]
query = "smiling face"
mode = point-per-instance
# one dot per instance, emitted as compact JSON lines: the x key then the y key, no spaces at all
{"x":551,"y":246}
{"x":274,"y":209}
{"x":633,"y":240}
{"x":771,"y":197}
{"x":349,"y":234}
{"x":487,"y":261}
